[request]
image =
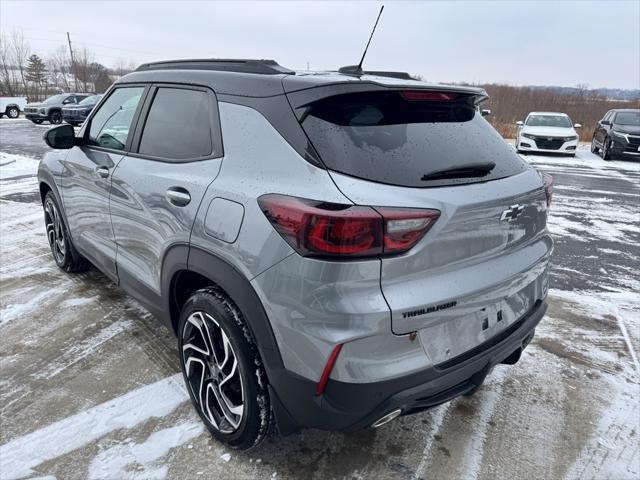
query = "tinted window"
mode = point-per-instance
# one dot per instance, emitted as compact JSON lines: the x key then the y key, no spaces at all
{"x":390,"y":138}
{"x":178,"y":125}
{"x":111,"y":124}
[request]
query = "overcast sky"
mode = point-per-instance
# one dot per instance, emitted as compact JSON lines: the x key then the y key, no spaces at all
{"x":519,"y":42}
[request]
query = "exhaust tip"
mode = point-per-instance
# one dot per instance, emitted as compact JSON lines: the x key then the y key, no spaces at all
{"x":386,"y":419}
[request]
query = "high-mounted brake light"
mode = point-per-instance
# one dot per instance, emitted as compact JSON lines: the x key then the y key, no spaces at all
{"x":321,"y":229}
{"x":548,"y":188}
{"x":426,"y":95}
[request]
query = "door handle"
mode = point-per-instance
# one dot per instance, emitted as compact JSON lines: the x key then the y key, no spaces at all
{"x":102,"y":171}
{"x":179,"y":196}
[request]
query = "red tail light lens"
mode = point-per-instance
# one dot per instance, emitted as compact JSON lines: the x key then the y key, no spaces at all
{"x":315,"y":228}
{"x":426,"y":96}
{"x":548,"y":188}
{"x":403,"y":228}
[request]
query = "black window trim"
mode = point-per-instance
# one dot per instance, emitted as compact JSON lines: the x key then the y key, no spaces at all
{"x":84,"y":132}
{"x":214,"y":124}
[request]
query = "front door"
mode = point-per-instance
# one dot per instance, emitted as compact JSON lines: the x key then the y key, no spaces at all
{"x":86,"y":179}
{"x":157,"y":188}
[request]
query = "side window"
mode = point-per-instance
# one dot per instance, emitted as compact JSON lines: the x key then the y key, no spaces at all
{"x":69,"y":100}
{"x":178,"y":125}
{"x":111,"y":123}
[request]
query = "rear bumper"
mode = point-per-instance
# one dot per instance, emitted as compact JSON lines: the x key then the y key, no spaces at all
{"x":353,"y":406}
{"x":35,"y":116}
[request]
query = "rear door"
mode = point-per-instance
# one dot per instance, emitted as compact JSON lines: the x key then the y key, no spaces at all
{"x":157,"y":188}
{"x":86,"y":181}
{"x":482,"y":264}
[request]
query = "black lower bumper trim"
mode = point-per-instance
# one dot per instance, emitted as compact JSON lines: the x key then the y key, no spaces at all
{"x":353,"y":406}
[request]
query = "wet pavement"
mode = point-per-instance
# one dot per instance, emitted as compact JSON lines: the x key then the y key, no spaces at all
{"x":90,"y":384}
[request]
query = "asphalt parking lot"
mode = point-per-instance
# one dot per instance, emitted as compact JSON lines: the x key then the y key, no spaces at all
{"x":90,"y":384}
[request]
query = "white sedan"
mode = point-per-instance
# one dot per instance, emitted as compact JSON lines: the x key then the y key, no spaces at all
{"x":547,"y":132}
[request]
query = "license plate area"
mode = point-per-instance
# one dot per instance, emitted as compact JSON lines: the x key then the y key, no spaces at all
{"x":455,"y":336}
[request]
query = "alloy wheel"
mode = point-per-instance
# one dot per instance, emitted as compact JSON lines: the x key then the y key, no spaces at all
{"x":55,"y":231}
{"x":13,"y":113}
{"x":213,"y":372}
{"x":55,"y":118}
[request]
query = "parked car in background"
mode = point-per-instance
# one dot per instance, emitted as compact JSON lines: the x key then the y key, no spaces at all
{"x":51,"y":108}
{"x":548,"y":132}
{"x":76,"y":114}
{"x":617,"y":134}
{"x":354,"y":292}
{"x":12,"y":106}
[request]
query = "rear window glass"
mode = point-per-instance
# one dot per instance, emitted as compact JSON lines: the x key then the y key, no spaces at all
{"x":390,"y":137}
{"x":178,"y":125}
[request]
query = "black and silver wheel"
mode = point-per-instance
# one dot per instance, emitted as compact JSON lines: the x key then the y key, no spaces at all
{"x":55,"y":117}
{"x":594,"y":147}
{"x":606,"y":152}
{"x":62,"y":249}
{"x":222,"y":369}
{"x":12,"y":112}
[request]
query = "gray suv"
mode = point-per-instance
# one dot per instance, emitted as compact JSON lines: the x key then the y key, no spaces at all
{"x":51,"y":108}
{"x":332,"y":250}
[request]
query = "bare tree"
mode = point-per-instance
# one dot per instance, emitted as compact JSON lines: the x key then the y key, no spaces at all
{"x":19,"y":49}
{"x":7,"y":79}
{"x":58,"y":64}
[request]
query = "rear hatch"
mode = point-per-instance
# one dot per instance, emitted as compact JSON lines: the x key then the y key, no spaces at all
{"x":481,"y":266}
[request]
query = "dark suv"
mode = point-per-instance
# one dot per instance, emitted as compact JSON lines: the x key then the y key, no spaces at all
{"x":332,"y":250}
{"x":617,"y":134}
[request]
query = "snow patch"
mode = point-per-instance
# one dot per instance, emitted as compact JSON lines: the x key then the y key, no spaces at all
{"x":139,"y":460}
{"x":22,"y":454}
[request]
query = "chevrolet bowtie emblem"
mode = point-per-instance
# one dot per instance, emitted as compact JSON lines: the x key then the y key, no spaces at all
{"x":512,"y":213}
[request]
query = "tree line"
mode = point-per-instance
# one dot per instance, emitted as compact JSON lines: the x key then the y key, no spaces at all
{"x":25,"y":73}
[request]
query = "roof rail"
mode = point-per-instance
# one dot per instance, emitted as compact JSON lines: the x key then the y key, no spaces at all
{"x":264,"y":67}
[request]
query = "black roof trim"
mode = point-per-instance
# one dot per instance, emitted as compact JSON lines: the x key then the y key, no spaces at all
{"x":400,"y":75}
{"x":264,"y":67}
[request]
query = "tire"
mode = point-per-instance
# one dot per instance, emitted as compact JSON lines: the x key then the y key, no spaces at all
{"x":63,"y":251}
{"x":239,"y":413}
{"x":55,"y":118}
{"x":594,"y":147}
{"x":12,"y":112}
{"x":605,"y":152}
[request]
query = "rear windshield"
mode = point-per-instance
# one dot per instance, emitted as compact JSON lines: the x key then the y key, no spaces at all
{"x":397,"y":138}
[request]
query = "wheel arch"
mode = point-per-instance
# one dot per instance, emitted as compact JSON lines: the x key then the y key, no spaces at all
{"x":182,"y":277}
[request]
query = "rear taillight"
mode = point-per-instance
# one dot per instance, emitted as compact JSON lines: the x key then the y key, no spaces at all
{"x":548,"y":188}
{"x":322,"y":229}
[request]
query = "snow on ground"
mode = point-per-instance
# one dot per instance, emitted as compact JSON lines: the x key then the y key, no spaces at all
{"x":90,"y":385}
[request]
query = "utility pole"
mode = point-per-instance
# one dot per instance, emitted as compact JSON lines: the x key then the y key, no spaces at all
{"x":73,"y":68}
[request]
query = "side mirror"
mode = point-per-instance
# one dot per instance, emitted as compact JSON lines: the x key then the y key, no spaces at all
{"x":485,"y":112}
{"x":60,"y":137}
{"x":520,"y":123}
{"x":577,"y":125}
{"x":605,"y":122}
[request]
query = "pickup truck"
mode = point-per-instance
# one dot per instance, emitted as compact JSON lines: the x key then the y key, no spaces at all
{"x":12,"y":106}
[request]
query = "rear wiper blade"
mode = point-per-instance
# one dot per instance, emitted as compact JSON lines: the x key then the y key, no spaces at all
{"x":463,"y":171}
